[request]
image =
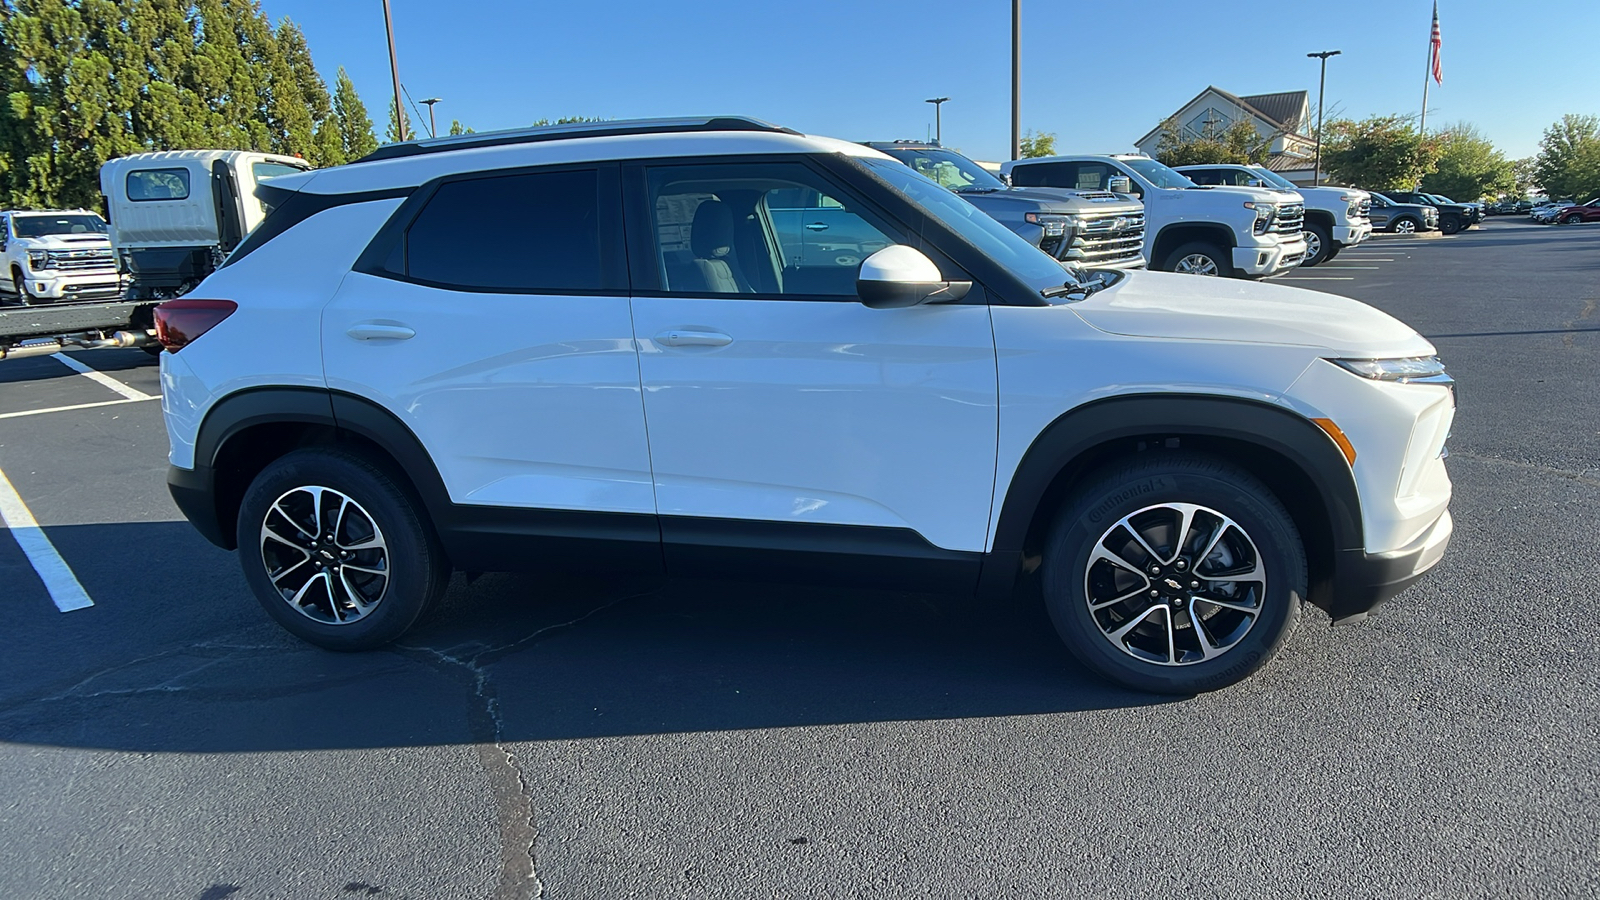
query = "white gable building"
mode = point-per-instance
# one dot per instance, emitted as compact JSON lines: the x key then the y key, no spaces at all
{"x":1284,"y":117}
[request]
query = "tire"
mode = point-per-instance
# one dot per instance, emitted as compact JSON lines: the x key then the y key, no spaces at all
{"x":1319,"y":244}
{"x":1572,"y":220}
{"x":375,"y":545}
{"x":1199,"y":258}
{"x":1091,"y":557}
{"x":1333,"y":252}
{"x":1450,"y":225}
{"x":19,"y":284}
{"x":153,"y":349}
{"x":1405,"y":225}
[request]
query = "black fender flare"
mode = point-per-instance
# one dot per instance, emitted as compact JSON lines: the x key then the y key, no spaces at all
{"x":1164,"y":238}
{"x":1077,"y":440}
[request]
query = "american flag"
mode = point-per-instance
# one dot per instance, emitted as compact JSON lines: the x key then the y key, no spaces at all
{"x":1437,"y":42}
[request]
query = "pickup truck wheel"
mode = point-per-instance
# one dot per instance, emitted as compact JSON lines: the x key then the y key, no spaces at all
{"x":1199,"y":258}
{"x":1319,"y":240}
{"x":1450,"y":225}
{"x":20,"y":285}
{"x":336,"y":551}
{"x":1333,"y":251}
{"x":1175,"y":573}
{"x":1404,"y":225}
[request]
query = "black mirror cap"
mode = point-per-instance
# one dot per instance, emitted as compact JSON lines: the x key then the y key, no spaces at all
{"x":902,"y":294}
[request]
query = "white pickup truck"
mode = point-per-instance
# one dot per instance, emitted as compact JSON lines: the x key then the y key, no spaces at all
{"x":1233,"y":231}
{"x":57,"y":255}
{"x":1336,"y":217}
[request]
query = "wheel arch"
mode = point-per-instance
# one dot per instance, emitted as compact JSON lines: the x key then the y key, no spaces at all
{"x":1171,"y":236}
{"x":1293,"y":457}
{"x":1321,"y":217}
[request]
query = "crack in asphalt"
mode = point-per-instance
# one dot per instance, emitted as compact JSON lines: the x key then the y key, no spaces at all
{"x":519,"y":833}
{"x":165,"y":686}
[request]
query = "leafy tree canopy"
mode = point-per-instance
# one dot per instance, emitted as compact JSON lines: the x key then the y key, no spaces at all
{"x":1568,"y":164}
{"x":1381,"y":153}
{"x":1036,"y":144}
{"x":1239,"y":143}
{"x":1469,"y":168}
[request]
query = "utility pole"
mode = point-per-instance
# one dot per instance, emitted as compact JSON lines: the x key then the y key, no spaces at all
{"x":394,"y":69}
{"x":1016,"y":78}
{"x":938,"y":123}
{"x":433,"y":126}
{"x":1322,"y":89}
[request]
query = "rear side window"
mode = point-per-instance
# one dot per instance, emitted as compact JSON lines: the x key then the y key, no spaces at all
{"x":535,"y":232}
{"x":158,"y":184}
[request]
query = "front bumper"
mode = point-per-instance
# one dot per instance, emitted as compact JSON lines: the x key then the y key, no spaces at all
{"x":1269,"y":259}
{"x":1364,"y":581}
{"x":95,"y":285}
{"x":1351,"y":235}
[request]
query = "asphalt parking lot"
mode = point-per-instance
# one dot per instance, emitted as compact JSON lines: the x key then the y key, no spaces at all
{"x":160,"y":738}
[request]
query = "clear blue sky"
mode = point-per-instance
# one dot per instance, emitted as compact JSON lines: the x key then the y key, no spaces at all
{"x":1098,"y":74}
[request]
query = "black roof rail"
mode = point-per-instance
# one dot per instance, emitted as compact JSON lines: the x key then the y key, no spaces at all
{"x":572,"y":130}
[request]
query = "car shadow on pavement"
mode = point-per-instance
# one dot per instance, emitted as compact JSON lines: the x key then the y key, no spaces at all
{"x":183,"y":660}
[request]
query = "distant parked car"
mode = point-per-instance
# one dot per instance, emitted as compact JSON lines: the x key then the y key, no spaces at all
{"x":1583,"y":212}
{"x":1401,"y":218}
{"x":1546,"y":213}
{"x":1452,"y":216}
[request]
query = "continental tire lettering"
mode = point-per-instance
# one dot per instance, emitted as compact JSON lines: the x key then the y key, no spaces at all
{"x":1148,"y":486}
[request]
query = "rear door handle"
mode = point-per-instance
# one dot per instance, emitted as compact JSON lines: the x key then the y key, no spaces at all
{"x":380,"y":331}
{"x":817,"y":226}
{"x":685,"y":338}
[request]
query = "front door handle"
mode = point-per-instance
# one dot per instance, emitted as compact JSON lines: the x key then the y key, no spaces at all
{"x":817,"y":226}
{"x":380,"y":331}
{"x":684,"y":338}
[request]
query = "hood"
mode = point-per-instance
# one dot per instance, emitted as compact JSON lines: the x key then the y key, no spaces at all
{"x":1267,"y":194}
{"x":1055,"y":200}
{"x":68,"y":242}
{"x":1189,"y":307}
{"x":1333,"y":193}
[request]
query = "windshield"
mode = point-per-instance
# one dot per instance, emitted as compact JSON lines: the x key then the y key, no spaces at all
{"x":1383,"y":197}
{"x":948,"y":169}
{"x":1002,"y":244}
{"x":1440,"y":198}
{"x":272,"y":170}
{"x":1157,"y":174}
{"x":1273,"y":178}
{"x":39,"y":226}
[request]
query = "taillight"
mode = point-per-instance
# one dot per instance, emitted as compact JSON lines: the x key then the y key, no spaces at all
{"x":179,"y":322}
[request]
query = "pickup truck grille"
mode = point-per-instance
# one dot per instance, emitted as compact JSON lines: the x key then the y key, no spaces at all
{"x":1290,"y":220}
{"x":80,"y":260}
{"x":1365,"y":209}
{"x":1111,"y":238}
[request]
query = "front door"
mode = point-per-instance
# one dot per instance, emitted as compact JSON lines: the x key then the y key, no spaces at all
{"x":773,"y":396}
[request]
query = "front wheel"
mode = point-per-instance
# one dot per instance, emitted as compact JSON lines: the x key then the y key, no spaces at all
{"x":337,"y":552}
{"x":1404,"y":226}
{"x":24,"y":296}
{"x":1572,"y":220}
{"x":1319,"y":244}
{"x":1175,"y":573}
{"x":1450,"y":225}
{"x":1198,"y":258}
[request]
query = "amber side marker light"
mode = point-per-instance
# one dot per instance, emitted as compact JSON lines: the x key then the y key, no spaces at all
{"x":180,"y":322}
{"x":1345,"y":447}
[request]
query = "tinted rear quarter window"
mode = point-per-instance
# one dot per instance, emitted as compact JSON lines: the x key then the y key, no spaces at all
{"x":536,"y":232}
{"x":1045,"y":175}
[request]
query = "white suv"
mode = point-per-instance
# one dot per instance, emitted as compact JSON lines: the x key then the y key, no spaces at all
{"x":593,"y":346}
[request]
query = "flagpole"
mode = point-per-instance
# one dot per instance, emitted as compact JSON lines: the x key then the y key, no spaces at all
{"x":1427,"y":75}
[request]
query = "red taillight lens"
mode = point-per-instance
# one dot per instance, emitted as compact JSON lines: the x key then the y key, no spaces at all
{"x":179,"y":322}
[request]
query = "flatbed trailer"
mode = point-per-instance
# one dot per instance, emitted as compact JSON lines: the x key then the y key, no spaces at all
{"x":52,"y":328}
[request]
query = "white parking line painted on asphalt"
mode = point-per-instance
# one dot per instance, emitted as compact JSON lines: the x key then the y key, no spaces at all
{"x":58,"y":579}
{"x":100,"y":378}
{"x":53,"y":409}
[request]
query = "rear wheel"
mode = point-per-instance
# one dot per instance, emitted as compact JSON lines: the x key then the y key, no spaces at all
{"x":1198,"y":258}
{"x":1319,"y":244}
{"x":1175,"y":573}
{"x":1404,"y":225}
{"x":337,"y":552}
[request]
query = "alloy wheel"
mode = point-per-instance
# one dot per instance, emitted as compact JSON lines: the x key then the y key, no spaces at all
{"x":1196,"y":264}
{"x":325,"y":555}
{"x":1175,"y":584}
{"x":1405,"y":226}
{"x":1313,"y":247}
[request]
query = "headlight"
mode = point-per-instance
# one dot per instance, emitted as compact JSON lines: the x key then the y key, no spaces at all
{"x":1053,"y":225}
{"x":1409,"y":368}
{"x":1264,"y":214}
{"x":39,"y":259}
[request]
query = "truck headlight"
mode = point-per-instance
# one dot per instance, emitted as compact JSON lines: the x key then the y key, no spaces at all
{"x":1053,"y":225}
{"x":1403,"y":369}
{"x":1264,"y":214}
{"x":39,"y":260}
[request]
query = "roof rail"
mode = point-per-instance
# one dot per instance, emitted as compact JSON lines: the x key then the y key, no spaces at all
{"x":572,"y":130}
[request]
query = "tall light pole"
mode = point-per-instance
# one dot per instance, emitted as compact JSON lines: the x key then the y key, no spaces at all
{"x":938,"y":123}
{"x":1016,"y":79}
{"x":1322,"y":88}
{"x":394,"y":69}
{"x":433,"y":127}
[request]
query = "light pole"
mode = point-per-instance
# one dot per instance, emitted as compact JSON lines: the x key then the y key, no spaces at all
{"x":1322,"y":88}
{"x":1016,"y":79}
{"x":938,"y":123}
{"x":394,"y":69}
{"x":433,"y":127}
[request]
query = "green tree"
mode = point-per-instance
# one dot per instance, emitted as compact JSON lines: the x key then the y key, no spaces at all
{"x":1036,"y":144}
{"x":1239,"y":143}
{"x":1525,"y":171}
{"x":1568,"y":165}
{"x":457,"y":128}
{"x":351,"y":119}
{"x":391,"y":134}
{"x":1381,"y":153}
{"x":1469,"y":167}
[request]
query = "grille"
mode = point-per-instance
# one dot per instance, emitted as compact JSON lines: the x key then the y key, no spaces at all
{"x":79,"y":260}
{"x":1291,"y":217}
{"x":1366,"y":208}
{"x":1103,"y":240}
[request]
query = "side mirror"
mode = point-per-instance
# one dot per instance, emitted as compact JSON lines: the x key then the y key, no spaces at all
{"x":1119,"y":184}
{"x":899,"y":276}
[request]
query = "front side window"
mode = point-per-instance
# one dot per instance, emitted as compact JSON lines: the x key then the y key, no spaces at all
{"x":527,"y":233}
{"x":775,"y":229}
{"x":67,"y":223}
{"x":1158,"y":174}
{"x":158,"y":184}
{"x":1270,"y":177}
